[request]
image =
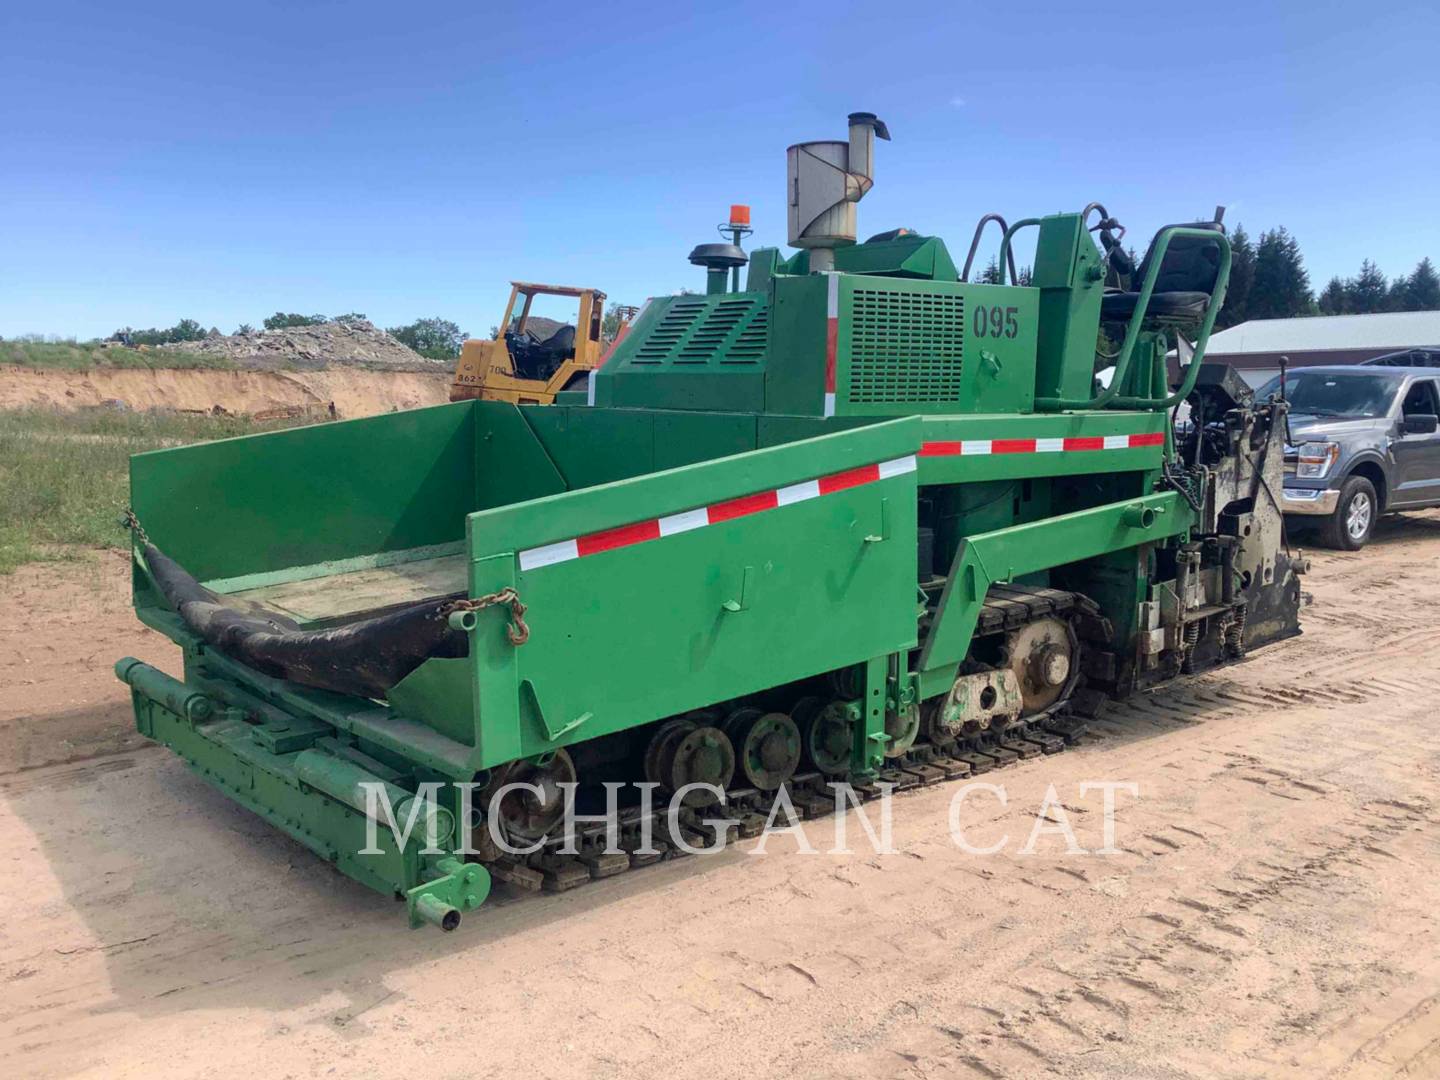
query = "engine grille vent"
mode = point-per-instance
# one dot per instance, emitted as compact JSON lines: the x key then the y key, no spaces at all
{"x":749,"y":347}
{"x":702,"y":330}
{"x":678,"y":320}
{"x":905,"y":346}
{"x":711,"y":334}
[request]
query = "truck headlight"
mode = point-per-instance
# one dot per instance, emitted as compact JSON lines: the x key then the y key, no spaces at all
{"x":1316,"y":460}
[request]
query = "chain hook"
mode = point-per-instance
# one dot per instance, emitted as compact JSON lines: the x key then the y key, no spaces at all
{"x":517,"y":631}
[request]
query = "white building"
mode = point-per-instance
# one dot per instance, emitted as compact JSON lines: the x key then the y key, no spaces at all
{"x":1255,"y":347}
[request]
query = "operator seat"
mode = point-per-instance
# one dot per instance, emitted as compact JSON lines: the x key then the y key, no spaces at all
{"x":1183,"y":286}
{"x":544,"y":358}
{"x":561,"y":343}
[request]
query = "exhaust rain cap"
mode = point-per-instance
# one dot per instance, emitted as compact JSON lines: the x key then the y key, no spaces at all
{"x":824,"y":181}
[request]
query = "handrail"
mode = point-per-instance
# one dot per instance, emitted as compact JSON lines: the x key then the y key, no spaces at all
{"x":1005,"y":253}
{"x":1155,"y":257}
{"x":975,"y":243}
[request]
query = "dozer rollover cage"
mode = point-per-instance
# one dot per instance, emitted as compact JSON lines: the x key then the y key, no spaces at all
{"x":872,"y":522}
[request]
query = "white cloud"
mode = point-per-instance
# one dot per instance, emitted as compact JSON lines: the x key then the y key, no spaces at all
{"x":957,"y":102}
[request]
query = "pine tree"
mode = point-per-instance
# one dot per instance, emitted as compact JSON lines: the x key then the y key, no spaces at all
{"x":1242,"y":277}
{"x":1368,"y":291}
{"x":1398,"y":295}
{"x":1281,"y":288}
{"x":1333,"y":300}
{"x":991,"y":274}
{"x":1422,"y":292}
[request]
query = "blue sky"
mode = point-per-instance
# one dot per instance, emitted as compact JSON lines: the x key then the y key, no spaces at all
{"x":222,"y":161}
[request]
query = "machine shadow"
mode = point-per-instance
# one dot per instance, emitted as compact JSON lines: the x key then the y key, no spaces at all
{"x":194,"y":902}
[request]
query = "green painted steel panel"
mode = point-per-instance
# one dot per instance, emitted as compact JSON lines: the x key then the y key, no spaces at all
{"x":594,"y":446}
{"x":628,"y":635}
{"x":641,"y":633}
{"x":309,"y":495}
{"x":908,"y":347}
{"x":699,"y":390}
{"x":511,"y":463}
{"x":764,"y":264}
{"x":1069,"y":275}
{"x":775,"y":430}
{"x":684,"y":438}
{"x":439,"y":693}
{"x":911,"y":256}
{"x":1059,"y":239}
{"x":795,"y":374}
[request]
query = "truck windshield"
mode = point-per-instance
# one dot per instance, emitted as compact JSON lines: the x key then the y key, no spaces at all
{"x":1331,"y":393}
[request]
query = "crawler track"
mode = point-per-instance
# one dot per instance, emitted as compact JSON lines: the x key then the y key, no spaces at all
{"x":650,"y":837}
{"x":747,"y":810}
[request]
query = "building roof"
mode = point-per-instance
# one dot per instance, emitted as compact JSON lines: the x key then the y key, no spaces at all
{"x":1318,"y":333}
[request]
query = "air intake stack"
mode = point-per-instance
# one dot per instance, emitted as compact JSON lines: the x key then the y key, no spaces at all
{"x":825,"y":180}
{"x":721,"y":260}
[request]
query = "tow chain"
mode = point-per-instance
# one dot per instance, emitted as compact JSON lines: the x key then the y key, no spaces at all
{"x":517,"y":631}
{"x":131,"y":522}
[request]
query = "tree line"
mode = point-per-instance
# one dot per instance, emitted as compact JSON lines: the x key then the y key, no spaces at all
{"x":1268,"y":280}
{"x":436,"y":338}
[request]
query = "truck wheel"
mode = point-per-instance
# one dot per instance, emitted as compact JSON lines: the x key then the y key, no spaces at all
{"x":1349,"y":528}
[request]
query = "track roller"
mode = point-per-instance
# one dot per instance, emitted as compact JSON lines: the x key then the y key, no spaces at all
{"x":525,"y":813}
{"x":767,"y":747}
{"x":667,"y":736}
{"x":828,"y":734}
{"x":699,"y":755}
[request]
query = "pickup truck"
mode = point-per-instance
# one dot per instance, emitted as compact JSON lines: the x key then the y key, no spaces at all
{"x":1363,"y":442}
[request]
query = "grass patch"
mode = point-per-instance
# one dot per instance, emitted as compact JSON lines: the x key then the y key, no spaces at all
{"x":65,"y":479}
{"x":89,"y":355}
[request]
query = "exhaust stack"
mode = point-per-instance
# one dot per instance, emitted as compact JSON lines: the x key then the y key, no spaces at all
{"x":825,"y":179}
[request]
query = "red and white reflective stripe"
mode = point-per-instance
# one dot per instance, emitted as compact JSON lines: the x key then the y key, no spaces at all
{"x":714,"y":514}
{"x":832,"y":338}
{"x":971,"y":447}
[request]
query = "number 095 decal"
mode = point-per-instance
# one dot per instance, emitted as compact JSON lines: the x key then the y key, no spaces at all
{"x":995,"y":321}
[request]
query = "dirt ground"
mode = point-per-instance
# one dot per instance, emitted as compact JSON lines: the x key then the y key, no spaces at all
{"x":353,"y":392}
{"x":1273,"y":910}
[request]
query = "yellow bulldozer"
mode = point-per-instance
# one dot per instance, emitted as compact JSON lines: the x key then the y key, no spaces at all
{"x":524,"y":367}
